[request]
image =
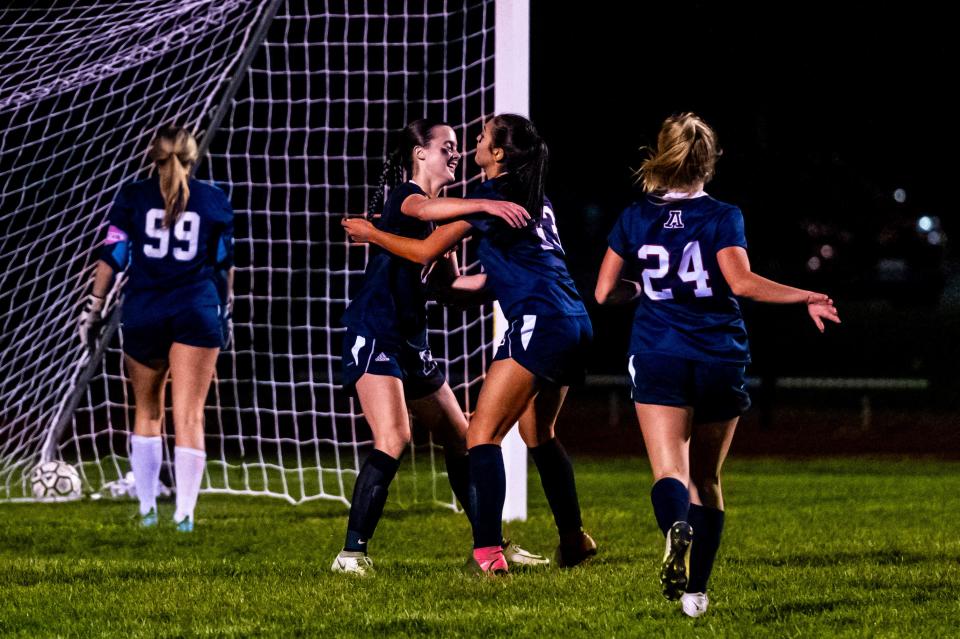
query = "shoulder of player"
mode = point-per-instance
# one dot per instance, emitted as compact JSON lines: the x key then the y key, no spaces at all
{"x":486,"y":190}
{"x":209,"y":188}
{"x":211,"y":192}
{"x":720,"y":209}
{"x":136,"y":186}
{"x":402,"y":191}
{"x":397,"y":196}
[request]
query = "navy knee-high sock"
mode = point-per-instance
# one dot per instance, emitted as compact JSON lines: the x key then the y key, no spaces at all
{"x":458,"y":473}
{"x":707,"y":524}
{"x":488,"y":490}
{"x":556,"y":475}
{"x":671,"y":501}
{"x":369,"y":498}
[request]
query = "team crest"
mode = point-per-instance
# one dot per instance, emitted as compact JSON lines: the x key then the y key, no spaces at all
{"x":673,"y":220}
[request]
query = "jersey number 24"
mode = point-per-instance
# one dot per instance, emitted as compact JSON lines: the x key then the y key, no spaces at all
{"x":690,"y":270}
{"x":186,"y":233}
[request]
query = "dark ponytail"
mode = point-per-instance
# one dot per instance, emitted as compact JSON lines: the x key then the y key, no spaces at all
{"x":390,"y":176}
{"x":525,"y":158}
{"x":399,"y":164}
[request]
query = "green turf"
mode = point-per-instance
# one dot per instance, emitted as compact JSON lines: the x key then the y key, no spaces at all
{"x":826,"y":548}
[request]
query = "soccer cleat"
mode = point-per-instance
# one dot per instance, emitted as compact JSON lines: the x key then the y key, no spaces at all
{"x":576,"y":550}
{"x":490,"y":561}
{"x":694,"y":603}
{"x":149,"y":520}
{"x":352,"y":562}
{"x":675,"y":569}
{"x":517,"y":556}
{"x":185,"y":525}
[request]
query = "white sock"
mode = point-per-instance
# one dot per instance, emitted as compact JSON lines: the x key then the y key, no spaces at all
{"x":188,"y":463}
{"x":146,"y":456}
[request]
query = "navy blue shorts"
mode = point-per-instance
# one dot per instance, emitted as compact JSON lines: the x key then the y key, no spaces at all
{"x":152,"y":323}
{"x":717,"y":392}
{"x":552,"y":348}
{"x":411,"y":363}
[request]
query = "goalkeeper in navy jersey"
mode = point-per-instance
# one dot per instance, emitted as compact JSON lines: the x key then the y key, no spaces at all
{"x":544,"y":349}
{"x":386,"y":357}
{"x":688,"y":347}
{"x":173,"y":236}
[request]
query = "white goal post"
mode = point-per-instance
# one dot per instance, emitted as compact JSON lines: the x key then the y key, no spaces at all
{"x":308,"y":103}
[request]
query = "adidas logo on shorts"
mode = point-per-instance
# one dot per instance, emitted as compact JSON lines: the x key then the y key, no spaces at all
{"x":382,"y":357}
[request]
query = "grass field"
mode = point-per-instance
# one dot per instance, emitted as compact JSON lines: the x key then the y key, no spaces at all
{"x":847,"y":547}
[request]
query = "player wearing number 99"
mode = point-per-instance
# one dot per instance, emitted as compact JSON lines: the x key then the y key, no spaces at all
{"x":688,"y":347}
{"x":174,"y":237}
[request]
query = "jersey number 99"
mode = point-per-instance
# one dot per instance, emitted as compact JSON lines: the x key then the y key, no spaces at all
{"x":185,"y":232}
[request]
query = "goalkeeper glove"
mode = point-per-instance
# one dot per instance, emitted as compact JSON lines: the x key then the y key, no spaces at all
{"x":91,"y":319}
{"x":226,"y":323}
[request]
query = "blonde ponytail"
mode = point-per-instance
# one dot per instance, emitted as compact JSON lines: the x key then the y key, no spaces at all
{"x":174,"y":152}
{"x":686,"y":154}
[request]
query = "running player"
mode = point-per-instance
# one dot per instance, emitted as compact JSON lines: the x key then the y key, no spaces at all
{"x":543,"y":351}
{"x":386,"y":356}
{"x":174,"y":237}
{"x":688,"y":348}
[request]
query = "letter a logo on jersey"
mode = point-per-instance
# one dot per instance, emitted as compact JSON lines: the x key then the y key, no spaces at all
{"x":673,"y":220}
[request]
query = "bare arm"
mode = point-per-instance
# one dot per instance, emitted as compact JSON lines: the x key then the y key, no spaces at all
{"x":442,"y":209}
{"x":102,"y":279}
{"x":611,"y":289}
{"x":735,"y":266}
{"x":421,"y":251}
{"x":466,"y":290}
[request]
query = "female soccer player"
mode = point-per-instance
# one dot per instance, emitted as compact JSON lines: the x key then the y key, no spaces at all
{"x":688,"y":348}
{"x":386,"y":356}
{"x":174,"y":237}
{"x":543,"y":350}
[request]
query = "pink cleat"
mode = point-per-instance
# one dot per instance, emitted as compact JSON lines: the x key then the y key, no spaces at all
{"x":490,"y":560}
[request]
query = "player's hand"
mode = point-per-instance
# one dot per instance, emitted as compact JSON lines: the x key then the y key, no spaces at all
{"x":820,"y":307}
{"x":513,"y":214}
{"x":91,"y":320}
{"x":358,"y":229}
{"x":226,"y":324}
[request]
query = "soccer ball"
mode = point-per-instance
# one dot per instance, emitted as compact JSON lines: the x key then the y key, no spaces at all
{"x":55,"y":481}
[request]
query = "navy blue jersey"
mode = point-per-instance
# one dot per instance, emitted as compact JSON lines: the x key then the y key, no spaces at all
{"x":197,"y":248}
{"x":525,"y":267}
{"x":687,"y":310}
{"x":391,"y":304}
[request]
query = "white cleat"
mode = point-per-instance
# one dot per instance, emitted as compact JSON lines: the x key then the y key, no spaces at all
{"x":694,"y":603}
{"x":517,"y":556}
{"x":355,"y":563}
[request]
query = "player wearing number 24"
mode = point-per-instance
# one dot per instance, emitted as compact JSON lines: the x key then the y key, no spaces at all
{"x":173,"y":235}
{"x":688,"y":349}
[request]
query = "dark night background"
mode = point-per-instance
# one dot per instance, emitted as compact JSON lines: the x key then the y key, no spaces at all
{"x":822,"y":116}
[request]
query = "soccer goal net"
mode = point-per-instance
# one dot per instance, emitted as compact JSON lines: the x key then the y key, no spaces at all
{"x":295,"y":100}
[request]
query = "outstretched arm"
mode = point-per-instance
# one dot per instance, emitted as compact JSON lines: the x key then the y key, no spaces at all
{"x":735,"y":266}
{"x":442,"y":209}
{"x":421,"y":251}
{"x":611,"y":289}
